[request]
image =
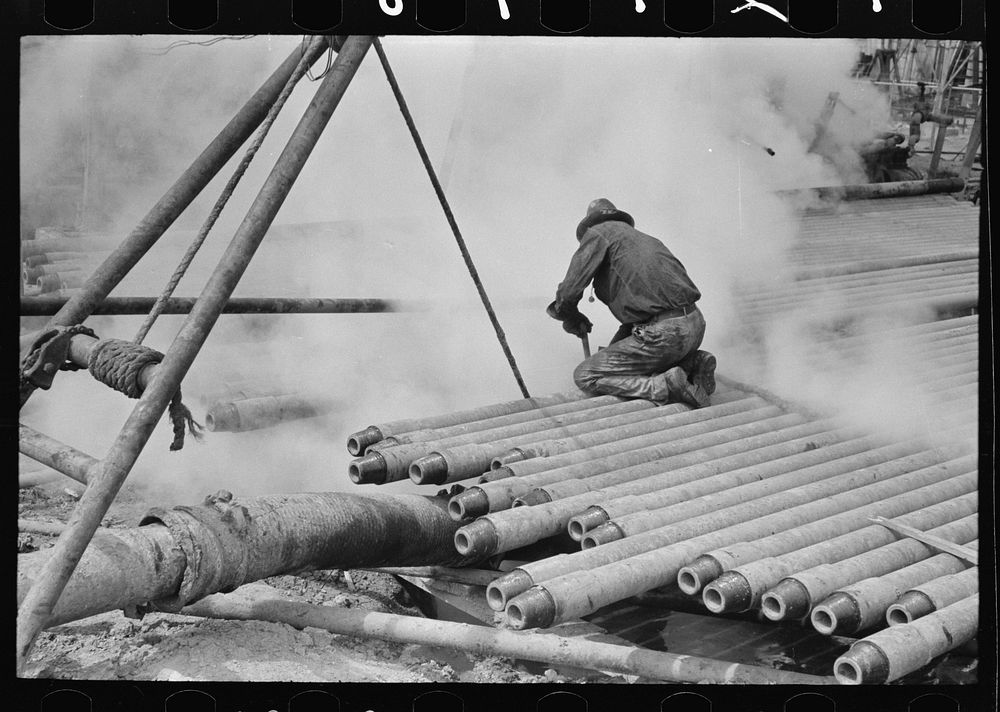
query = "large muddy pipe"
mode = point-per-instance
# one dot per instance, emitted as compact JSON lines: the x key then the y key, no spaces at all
{"x":184,"y":190}
{"x":500,"y":421}
{"x":638,"y":564}
{"x":933,"y":595}
{"x":359,"y":442}
{"x":177,"y":556}
{"x":863,"y":604}
{"x":243,"y":414}
{"x":740,"y":588}
{"x":649,"y":454}
{"x":59,"y":456}
{"x":795,"y":595}
{"x":896,"y":651}
{"x":135,"y":433}
{"x":261,"y":603}
{"x":869,"y":191}
{"x":672,"y":421}
{"x":707,"y":568}
{"x":45,"y":306}
{"x":514,"y":528}
{"x":826,"y":479}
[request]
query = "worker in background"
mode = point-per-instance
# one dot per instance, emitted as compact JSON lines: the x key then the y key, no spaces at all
{"x":654,"y":354}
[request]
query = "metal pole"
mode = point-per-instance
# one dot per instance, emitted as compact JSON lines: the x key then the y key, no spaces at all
{"x":975,"y":136}
{"x":60,"y":457}
{"x":182,"y":192}
{"x":39,"y":603}
{"x":123,"y":306}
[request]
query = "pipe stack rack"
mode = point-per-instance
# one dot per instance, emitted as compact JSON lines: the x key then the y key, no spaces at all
{"x":748,"y":505}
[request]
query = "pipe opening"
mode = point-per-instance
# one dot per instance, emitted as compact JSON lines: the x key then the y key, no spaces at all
{"x":823,"y":620}
{"x":353,"y":471}
{"x":353,"y":446}
{"x":772,"y":606}
{"x":495,"y":598}
{"x":515,"y":616}
{"x":688,"y":581}
{"x":898,"y":616}
{"x":463,"y":543}
{"x":576,"y":530}
{"x":588,"y":542}
{"x":848,"y":672}
{"x":713,"y":599}
{"x":456,"y":510}
{"x":210,"y":422}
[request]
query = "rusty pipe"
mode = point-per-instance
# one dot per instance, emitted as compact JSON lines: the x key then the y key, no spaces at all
{"x":41,"y":600}
{"x":933,"y":595}
{"x":358,"y":442}
{"x":580,"y":583}
{"x":68,"y":460}
{"x":243,"y":414}
{"x":891,"y":653}
{"x":871,"y":191}
{"x":740,"y":588}
{"x":45,"y":306}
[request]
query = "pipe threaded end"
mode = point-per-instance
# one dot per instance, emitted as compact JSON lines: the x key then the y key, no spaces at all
{"x":729,"y":593}
{"x":863,"y":664}
{"x":788,"y":600}
{"x":908,"y":607}
{"x":477,"y":539}
{"x":222,"y":417}
{"x":358,"y":443}
{"x":512,"y":455}
{"x":604,"y":534}
{"x":430,"y":469}
{"x":535,"y":496}
{"x":585,"y":521}
{"x":698,"y":574}
{"x":471,"y":503}
{"x":534,"y":608}
{"x":839,"y":613}
{"x":368,"y":470}
{"x":506,"y":587}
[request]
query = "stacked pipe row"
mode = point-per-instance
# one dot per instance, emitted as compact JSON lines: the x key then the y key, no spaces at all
{"x":740,"y":502}
{"x":58,"y":260}
{"x":885,"y":229}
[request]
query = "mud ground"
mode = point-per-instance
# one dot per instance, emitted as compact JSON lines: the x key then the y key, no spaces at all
{"x":164,"y":646}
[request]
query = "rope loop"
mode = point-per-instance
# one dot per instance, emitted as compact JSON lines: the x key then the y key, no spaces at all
{"x":117,"y":364}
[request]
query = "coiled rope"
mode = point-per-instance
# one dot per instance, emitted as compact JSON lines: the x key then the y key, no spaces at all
{"x":501,"y":337}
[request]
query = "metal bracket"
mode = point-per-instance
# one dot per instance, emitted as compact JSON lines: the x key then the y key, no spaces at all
{"x":51,"y":350}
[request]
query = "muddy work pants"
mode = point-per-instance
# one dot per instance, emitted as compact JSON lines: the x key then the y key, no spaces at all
{"x":633,"y":366}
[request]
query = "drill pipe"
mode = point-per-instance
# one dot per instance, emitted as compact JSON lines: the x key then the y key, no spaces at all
{"x":933,"y":595}
{"x":46,"y":306}
{"x":488,"y":424}
{"x":896,"y":651}
{"x":795,"y":595}
{"x":358,"y":442}
{"x":60,"y":457}
{"x":626,"y":467}
{"x":879,"y":265}
{"x":577,"y":584}
{"x":740,"y":588}
{"x":31,"y":275}
{"x":244,"y":414}
{"x":864,"y":603}
{"x":55,"y":282}
{"x":263,"y":603}
{"x":758,"y":498}
{"x":449,"y":464}
{"x":870,"y":191}
{"x":48,"y":245}
{"x":179,"y":555}
{"x":709,"y":566}
{"x":381,"y":465}
{"x":510,"y":529}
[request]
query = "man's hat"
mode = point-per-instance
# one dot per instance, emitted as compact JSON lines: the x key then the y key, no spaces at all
{"x":601,"y":205}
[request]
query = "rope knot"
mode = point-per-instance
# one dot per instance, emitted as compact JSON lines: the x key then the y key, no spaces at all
{"x":117,"y":364}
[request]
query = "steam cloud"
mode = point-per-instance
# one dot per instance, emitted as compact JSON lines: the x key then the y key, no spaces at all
{"x":526,"y":131}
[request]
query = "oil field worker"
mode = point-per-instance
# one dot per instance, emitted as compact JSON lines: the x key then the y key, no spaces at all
{"x":654,"y":354}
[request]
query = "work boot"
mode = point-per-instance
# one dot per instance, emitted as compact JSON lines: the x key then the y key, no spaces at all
{"x":700,"y":367}
{"x":681,"y":391}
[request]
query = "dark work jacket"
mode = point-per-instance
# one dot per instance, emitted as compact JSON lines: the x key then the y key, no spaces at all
{"x":633,"y":273}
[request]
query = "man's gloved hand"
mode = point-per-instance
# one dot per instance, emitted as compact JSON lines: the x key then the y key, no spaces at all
{"x":580,"y":326}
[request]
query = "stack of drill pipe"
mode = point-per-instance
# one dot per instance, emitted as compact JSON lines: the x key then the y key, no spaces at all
{"x":810,"y":273}
{"x":462,"y":461}
{"x":899,"y":650}
{"x":387,"y":462}
{"x":513,"y":528}
{"x":50,"y":283}
{"x":244,"y":414}
{"x":577,"y":584}
{"x":864,"y":604}
{"x":358,"y":442}
{"x":932,"y":596}
{"x":762,"y":497}
{"x":465,"y":456}
{"x":796,"y":594}
{"x":617,"y":470}
{"x":741,"y":588}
